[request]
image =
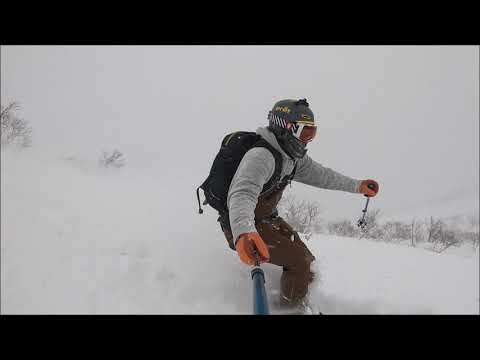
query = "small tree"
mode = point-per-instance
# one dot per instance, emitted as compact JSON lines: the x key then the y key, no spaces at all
{"x":448,"y":237}
{"x":310,"y":217}
{"x":416,"y":234}
{"x":112,"y":159}
{"x":434,"y":229}
{"x":303,"y":215}
{"x":388,"y":231}
{"x":441,"y":235}
{"x":15,"y":131}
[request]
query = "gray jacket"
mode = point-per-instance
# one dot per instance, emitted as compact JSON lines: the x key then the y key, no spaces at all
{"x":257,"y":167}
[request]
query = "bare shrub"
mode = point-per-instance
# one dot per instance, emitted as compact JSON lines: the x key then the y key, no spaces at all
{"x":448,"y":237}
{"x":303,"y":215}
{"x":473,"y":234}
{"x":417,"y":230}
{"x":473,"y":237}
{"x":372,"y":229}
{"x":434,"y":229}
{"x":396,"y":231}
{"x":15,"y":131}
{"x":441,"y":235}
{"x":343,"y":228}
{"x":112,"y":159}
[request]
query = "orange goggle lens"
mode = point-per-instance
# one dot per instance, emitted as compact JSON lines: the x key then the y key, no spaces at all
{"x":305,"y":132}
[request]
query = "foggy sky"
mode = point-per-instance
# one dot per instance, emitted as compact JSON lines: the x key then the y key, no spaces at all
{"x":406,"y":116}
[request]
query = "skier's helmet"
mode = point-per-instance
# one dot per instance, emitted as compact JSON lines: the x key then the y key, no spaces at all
{"x":292,"y":122}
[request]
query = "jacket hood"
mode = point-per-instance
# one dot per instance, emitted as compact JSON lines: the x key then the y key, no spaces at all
{"x":269,"y":136}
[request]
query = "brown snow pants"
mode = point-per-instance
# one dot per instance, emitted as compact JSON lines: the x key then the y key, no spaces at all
{"x":285,"y":247}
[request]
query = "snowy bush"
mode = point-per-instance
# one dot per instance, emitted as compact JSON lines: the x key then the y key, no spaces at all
{"x":448,"y":237}
{"x":112,"y":159}
{"x":473,"y":237}
{"x":473,"y":233}
{"x":15,"y":131}
{"x":434,"y":230}
{"x":343,"y":228}
{"x":303,"y":215}
{"x":438,"y":234}
{"x":396,"y":230}
{"x":372,"y":229}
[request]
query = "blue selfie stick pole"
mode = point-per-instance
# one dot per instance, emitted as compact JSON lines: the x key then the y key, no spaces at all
{"x":260,"y":301}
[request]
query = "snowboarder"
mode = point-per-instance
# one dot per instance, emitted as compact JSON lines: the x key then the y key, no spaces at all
{"x":251,"y":222}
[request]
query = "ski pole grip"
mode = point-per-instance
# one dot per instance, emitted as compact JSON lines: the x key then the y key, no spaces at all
{"x":371,"y":187}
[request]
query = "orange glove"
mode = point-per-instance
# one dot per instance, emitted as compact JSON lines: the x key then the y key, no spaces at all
{"x":247,"y":243}
{"x":369,"y":188}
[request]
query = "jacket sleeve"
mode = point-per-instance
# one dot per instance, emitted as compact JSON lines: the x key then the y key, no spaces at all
{"x":255,"y":169}
{"x":312,"y":173}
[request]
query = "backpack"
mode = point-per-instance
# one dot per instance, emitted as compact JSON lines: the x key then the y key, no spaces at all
{"x":233,"y":147}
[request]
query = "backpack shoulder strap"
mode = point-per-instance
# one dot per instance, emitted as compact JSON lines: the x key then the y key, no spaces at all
{"x":292,"y":175}
{"x":278,"y":164}
{"x":240,"y":134}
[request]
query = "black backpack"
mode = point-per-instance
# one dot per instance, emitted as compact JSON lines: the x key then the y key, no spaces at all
{"x":234,"y":146}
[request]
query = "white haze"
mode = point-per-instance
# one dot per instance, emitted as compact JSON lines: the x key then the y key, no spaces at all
{"x":405,"y":115}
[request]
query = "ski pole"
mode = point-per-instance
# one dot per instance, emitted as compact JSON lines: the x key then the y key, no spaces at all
{"x":362,"y":222}
{"x":260,"y":301}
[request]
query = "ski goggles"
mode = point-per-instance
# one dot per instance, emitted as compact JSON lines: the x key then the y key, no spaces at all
{"x":305,"y":131}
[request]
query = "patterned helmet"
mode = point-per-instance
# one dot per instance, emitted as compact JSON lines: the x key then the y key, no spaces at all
{"x":293,"y":124}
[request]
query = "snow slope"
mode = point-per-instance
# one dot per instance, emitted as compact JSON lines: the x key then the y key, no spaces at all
{"x":77,"y":239}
